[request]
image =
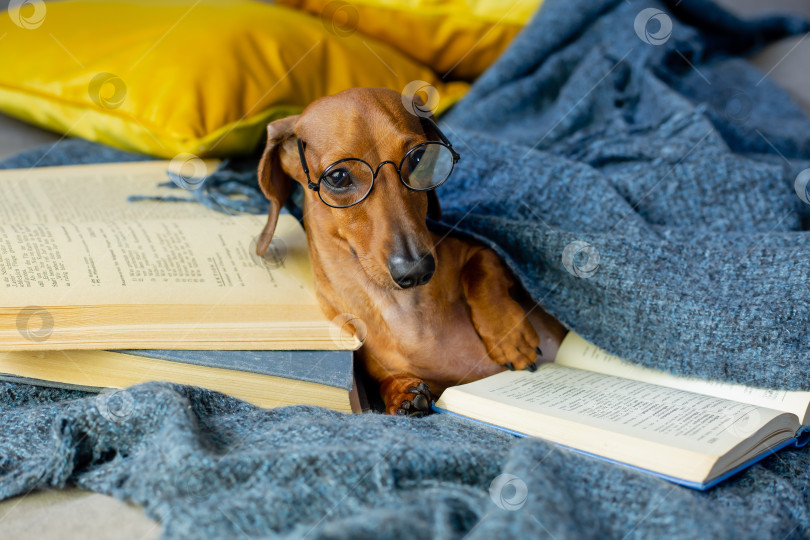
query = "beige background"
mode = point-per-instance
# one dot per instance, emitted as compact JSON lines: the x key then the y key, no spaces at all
{"x":73,"y":514}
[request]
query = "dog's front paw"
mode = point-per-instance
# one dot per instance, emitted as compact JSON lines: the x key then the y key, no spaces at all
{"x":419,"y":403}
{"x":517,"y":349}
{"x":409,"y":399}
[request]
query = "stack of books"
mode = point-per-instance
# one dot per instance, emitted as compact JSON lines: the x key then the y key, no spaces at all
{"x":99,"y":292}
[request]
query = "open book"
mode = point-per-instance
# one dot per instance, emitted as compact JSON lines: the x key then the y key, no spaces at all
{"x":691,"y":432}
{"x":83,"y":268}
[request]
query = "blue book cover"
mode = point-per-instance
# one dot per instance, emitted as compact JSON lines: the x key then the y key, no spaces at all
{"x":330,"y":368}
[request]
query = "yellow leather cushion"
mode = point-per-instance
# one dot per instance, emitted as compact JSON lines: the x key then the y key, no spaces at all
{"x":164,"y":77}
{"x":457,"y":38}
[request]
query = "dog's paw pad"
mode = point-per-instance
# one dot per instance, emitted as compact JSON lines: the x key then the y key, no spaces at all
{"x":418,"y":405}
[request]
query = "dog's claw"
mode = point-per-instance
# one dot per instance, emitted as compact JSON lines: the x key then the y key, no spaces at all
{"x":419,"y":405}
{"x":538,"y":351}
{"x":532,"y":367}
{"x":510,"y":366}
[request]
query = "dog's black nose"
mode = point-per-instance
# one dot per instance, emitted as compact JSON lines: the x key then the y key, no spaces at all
{"x":408,"y":272}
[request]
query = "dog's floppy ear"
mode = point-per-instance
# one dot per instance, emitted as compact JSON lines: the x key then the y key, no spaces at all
{"x":275,"y":183}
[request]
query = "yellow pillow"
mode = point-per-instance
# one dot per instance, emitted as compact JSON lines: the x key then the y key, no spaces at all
{"x":457,"y":38}
{"x":165,"y":77}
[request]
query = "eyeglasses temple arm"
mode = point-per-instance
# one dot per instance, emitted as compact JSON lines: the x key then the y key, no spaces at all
{"x":445,"y":140}
{"x":310,"y":184}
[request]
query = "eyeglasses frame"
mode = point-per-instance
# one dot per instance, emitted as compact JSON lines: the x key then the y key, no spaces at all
{"x":426,"y":123}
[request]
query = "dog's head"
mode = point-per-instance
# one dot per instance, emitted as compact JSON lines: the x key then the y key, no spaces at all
{"x":377,"y":219}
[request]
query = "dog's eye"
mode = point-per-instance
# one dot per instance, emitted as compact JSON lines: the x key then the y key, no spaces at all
{"x":339,"y":178}
{"x":415,"y":157}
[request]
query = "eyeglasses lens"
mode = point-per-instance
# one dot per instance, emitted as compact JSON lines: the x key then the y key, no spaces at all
{"x":427,"y":165}
{"x":346,"y":183}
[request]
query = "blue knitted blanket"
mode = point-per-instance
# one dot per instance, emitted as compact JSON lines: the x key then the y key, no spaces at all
{"x":646,"y":186}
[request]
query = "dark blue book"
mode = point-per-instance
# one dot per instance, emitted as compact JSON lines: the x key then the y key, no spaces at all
{"x":264,"y":378}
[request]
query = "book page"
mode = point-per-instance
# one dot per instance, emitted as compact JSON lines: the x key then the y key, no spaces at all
{"x":578,"y":353}
{"x":693,"y":422}
{"x":68,"y":236}
{"x":80,"y":193}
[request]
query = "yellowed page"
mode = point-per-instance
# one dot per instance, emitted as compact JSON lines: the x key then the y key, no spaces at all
{"x":80,"y":193}
{"x":576,"y":352}
{"x":152,"y":261}
{"x":68,"y":236}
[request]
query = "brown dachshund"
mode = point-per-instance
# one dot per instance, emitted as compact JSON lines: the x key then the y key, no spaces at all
{"x":437,"y":309}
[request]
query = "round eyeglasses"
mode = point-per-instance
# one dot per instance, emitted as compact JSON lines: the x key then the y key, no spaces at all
{"x":348,"y":181}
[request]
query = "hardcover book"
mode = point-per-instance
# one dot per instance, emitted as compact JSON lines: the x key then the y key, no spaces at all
{"x":265,"y":378}
{"x":81,"y":267}
{"x":692,"y":432}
